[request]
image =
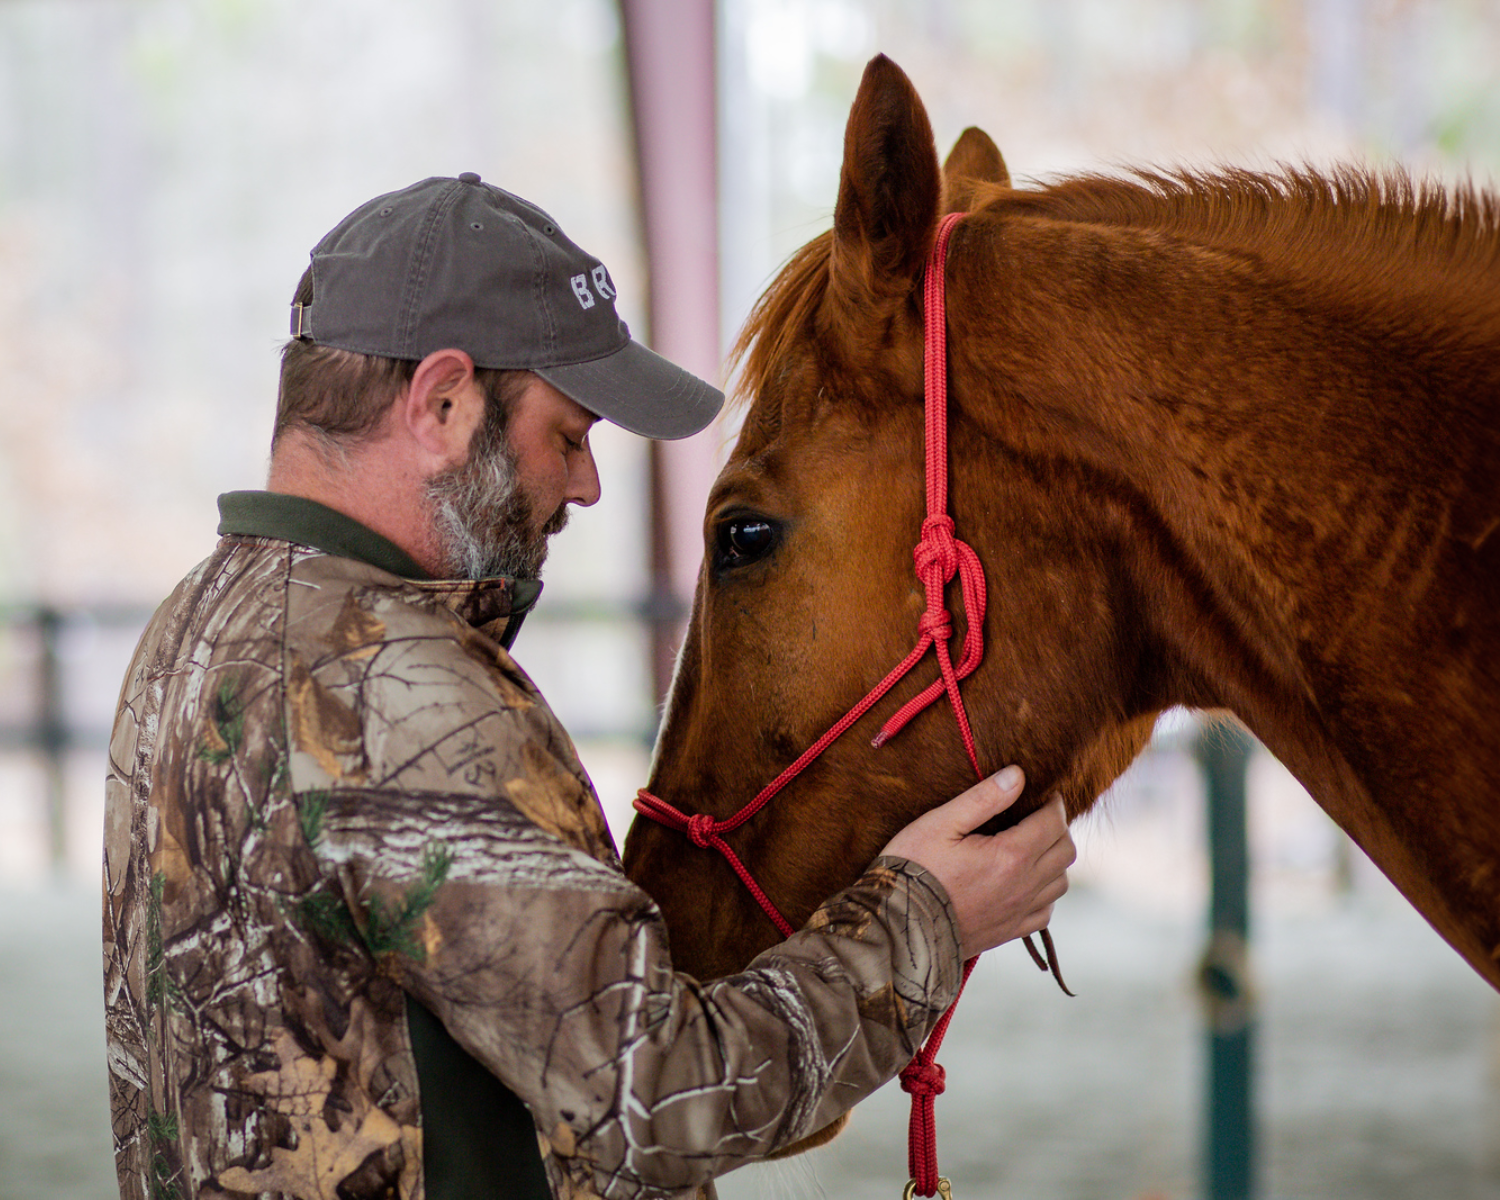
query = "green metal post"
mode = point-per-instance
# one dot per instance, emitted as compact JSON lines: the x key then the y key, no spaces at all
{"x":52,"y":732}
{"x":1224,"y":978}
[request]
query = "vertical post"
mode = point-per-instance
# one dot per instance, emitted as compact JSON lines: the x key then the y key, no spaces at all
{"x":1224,"y":978}
{"x":670,"y":58}
{"x":52,"y":731}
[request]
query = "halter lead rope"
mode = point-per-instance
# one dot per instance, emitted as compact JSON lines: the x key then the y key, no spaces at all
{"x":938,"y":556}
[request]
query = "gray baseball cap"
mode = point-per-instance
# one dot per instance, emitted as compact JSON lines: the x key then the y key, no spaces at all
{"x":463,"y":264}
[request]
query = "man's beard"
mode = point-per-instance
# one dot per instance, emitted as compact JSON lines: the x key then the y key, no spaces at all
{"x":486,"y":525}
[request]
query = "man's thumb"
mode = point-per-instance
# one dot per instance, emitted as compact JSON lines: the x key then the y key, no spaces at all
{"x":989,"y":797}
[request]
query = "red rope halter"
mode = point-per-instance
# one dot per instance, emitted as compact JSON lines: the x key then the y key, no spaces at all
{"x":938,"y":557}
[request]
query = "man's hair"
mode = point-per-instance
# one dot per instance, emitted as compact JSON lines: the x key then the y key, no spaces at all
{"x":340,"y":396}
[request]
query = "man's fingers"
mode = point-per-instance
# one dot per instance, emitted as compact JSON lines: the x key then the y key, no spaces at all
{"x":1055,"y":890}
{"x":1047,"y":870}
{"x":1002,"y":886}
{"x":1052,"y":820}
{"x":1041,"y":838}
{"x":1036,"y":921}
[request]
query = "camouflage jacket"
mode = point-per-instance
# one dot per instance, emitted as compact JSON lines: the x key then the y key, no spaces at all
{"x":337,"y":809}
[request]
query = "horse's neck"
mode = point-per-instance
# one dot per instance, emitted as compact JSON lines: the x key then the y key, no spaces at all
{"x":1322,"y":501}
{"x":1306,"y":518}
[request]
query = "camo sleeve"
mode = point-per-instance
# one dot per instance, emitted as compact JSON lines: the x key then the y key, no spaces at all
{"x":449,"y":812}
{"x":552,"y":969}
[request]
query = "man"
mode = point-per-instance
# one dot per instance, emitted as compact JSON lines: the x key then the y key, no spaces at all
{"x":365,"y":930}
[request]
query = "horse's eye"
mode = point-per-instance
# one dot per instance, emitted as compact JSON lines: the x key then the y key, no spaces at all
{"x":743,"y":540}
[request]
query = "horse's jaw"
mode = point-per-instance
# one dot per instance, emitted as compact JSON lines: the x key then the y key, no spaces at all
{"x":802,"y":853}
{"x":813,"y":1140}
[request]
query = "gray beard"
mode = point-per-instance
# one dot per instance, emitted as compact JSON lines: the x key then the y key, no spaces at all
{"x":486,"y":525}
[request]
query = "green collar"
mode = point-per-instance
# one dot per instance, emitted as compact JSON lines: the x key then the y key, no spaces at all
{"x":308,"y":523}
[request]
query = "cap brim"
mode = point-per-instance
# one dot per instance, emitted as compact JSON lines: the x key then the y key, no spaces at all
{"x":639,"y":390}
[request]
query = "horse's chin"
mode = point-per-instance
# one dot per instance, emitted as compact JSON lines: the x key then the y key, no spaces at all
{"x":813,"y":1140}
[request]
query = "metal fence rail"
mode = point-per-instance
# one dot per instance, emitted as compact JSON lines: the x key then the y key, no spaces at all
{"x":53,"y":703}
{"x":53,"y":724}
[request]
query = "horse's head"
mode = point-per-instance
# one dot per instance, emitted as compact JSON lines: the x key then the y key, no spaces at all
{"x":807,"y":595}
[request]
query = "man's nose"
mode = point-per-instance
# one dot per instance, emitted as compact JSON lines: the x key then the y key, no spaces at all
{"x":583,"y":479}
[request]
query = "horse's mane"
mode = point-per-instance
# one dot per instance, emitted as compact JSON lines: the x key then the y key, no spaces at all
{"x":1235,"y":204}
{"x":1377,"y":220}
{"x":1381,"y":238}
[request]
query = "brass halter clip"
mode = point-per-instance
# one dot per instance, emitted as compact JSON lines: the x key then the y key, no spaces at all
{"x":945,"y":1189}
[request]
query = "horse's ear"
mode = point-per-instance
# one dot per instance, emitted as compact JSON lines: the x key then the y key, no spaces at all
{"x":889,"y":189}
{"x":974,"y":159}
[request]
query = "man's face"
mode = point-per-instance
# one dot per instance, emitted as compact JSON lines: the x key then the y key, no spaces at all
{"x":496,"y":511}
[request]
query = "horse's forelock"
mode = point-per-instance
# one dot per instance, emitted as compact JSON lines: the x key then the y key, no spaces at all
{"x":800,"y":329}
{"x":779,"y":317}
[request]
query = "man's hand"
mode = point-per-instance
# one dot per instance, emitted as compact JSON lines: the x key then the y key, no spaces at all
{"x":1002,"y":887}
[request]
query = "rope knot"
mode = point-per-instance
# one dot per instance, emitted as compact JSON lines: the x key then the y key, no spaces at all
{"x":920,"y":1078}
{"x":700,"y":829}
{"x":936,"y":555}
{"x":937,"y":625}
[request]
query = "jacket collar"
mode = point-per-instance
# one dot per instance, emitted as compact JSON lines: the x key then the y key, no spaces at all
{"x":496,"y":606}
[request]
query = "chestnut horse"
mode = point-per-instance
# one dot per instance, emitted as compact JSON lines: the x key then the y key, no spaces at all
{"x":1221,"y":440}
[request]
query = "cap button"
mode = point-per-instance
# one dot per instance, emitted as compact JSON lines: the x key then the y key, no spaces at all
{"x":468,"y":177}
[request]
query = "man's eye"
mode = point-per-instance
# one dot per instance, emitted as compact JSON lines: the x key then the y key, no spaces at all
{"x":743,"y":540}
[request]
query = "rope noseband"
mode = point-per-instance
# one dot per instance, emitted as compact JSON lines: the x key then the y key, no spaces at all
{"x":938,"y":557}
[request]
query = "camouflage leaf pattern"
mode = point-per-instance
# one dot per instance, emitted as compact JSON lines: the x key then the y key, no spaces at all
{"x":330,"y":788}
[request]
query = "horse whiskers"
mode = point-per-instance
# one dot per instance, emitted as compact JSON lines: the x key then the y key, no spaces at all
{"x":788,"y":1179}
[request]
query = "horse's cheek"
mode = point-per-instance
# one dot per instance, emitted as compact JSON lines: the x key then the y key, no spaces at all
{"x":663,"y":863}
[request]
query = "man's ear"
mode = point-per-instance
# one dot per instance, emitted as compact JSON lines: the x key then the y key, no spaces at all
{"x":443,"y":405}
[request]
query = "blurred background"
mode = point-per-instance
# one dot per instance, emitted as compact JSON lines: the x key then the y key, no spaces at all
{"x":165,"y":166}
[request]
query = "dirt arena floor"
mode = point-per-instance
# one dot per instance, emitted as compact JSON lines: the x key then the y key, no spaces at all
{"x":1375,"y":1049}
